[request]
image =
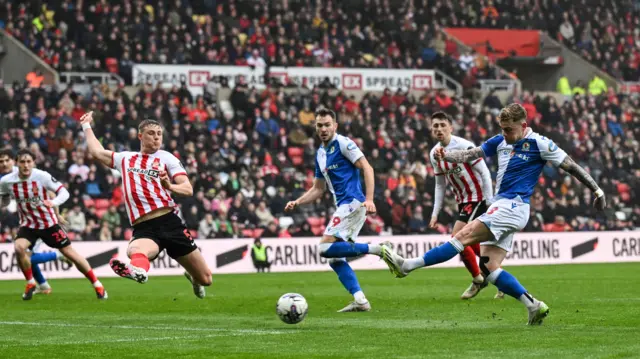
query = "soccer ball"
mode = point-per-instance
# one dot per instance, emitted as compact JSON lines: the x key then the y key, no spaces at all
{"x":292,"y":308}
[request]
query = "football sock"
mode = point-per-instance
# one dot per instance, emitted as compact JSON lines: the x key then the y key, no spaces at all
{"x":346,"y":275}
{"x":43,"y":257}
{"x":469,"y":259}
{"x":436,"y":255}
{"x":508,"y":284}
{"x":476,"y":249}
{"x":37,"y":274}
{"x":141,"y":261}
{"x":343,"y":249}
{"x":28,"y":275}
{"x":92,"y":278}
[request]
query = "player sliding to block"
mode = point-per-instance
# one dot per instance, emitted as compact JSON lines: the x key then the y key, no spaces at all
{"x":338,"y":165}
{"x":147,"y":186}
{"x":29,"y":186}
{"x":522,"y":154}
{"x":471,"y":184}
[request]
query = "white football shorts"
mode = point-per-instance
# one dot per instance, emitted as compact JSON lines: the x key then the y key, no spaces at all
{"x":347,"y":221}
{"x":504,"y":218}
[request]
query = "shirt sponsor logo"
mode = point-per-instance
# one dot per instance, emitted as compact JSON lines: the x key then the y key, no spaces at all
{"x":145,"y":172}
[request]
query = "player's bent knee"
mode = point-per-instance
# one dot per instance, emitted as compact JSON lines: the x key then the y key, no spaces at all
{"x":323,"y":247}
{"x":328,"y":239}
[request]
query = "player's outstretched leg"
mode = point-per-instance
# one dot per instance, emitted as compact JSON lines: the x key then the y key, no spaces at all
{"x":84,"y":268}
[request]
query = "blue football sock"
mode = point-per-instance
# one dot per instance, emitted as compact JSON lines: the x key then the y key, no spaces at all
{"x":440,"y":254}
{"x":508,"y":284}
{"x":346,"y":275}
{"x":37,"y":274}
{"x":343,"y":249}
{"x":43,"y":257}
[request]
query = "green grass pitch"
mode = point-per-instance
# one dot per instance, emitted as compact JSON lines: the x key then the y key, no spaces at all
{"x":595,"y":313}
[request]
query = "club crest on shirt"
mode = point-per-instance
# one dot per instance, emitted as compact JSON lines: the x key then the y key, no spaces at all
{"x":332,"y":149}
{"x":526,"y":146}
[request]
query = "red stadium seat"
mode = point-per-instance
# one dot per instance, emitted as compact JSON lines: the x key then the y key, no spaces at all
{"x":194,"y":233}
{"x":102,"y":203}
{"x":314,"y":221}
{"x":247,"y":233}
{"x":257,"y":232}
{"x":128,"y":233}
{"x":71,"y":236}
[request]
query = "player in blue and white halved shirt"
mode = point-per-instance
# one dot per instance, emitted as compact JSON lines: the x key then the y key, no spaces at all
{"x":522,"y":154}
{"x":338,"y":165}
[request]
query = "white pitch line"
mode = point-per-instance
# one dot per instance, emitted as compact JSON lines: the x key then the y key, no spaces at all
{"x":104,"y":341}
{"x":108,"y":326}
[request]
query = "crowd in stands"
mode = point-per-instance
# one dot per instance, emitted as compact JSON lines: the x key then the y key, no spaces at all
{"x":246,"y":164}
{"x":112,"y":35}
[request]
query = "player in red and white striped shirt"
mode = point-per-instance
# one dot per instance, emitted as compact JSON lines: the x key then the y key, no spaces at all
{"x":471,"y":185}
{"x":29,"y":187}
{"x":149,"y":178}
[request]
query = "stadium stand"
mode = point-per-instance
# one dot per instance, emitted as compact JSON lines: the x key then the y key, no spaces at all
{"x":111,"y":36}
{"x":244,"y":169}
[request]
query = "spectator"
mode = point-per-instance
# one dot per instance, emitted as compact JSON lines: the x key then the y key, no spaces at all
{"x":76,"y":219}
{"x":260,"y":257}
{"x":207,"y":227}
{"x":111,"y":217}
{"x":271,"y":231}
{"x":105,"y":233}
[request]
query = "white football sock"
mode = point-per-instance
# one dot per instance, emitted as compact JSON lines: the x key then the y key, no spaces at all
{"x":97,"y":284}
{"x":375,"y":249}
{"x":412,"y":264}
{"x":528,"y":300}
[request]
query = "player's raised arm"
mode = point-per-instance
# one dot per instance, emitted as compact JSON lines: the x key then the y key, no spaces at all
{"x":95,"y":147}
{"x":487,"y":149}
{"x":315,"y":192}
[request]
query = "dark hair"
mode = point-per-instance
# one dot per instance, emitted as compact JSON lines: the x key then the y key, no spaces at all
{"x":442,"y":116}
{"x":323,"y":111}
{"x":146,"y":123}
{"x":6,"y":153}
{"x":24,"y":152}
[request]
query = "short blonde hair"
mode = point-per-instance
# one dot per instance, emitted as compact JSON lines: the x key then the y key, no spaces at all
{"x":512,"y":113}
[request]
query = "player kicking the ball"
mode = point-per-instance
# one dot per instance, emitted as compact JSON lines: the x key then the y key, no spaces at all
{"x":338,"y":165}
{"x":29,"y":186}
{"x":471,"y":184}
{"x":147,"y":186}
{"x":522,"y":154}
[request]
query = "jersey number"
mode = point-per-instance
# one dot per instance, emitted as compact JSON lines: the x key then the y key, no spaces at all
{"x":188,"y":234}
{"x":493,"y":210}
{"x":59,"y":236}
{"x":336,"y":221}
{"x":468,"y":208}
